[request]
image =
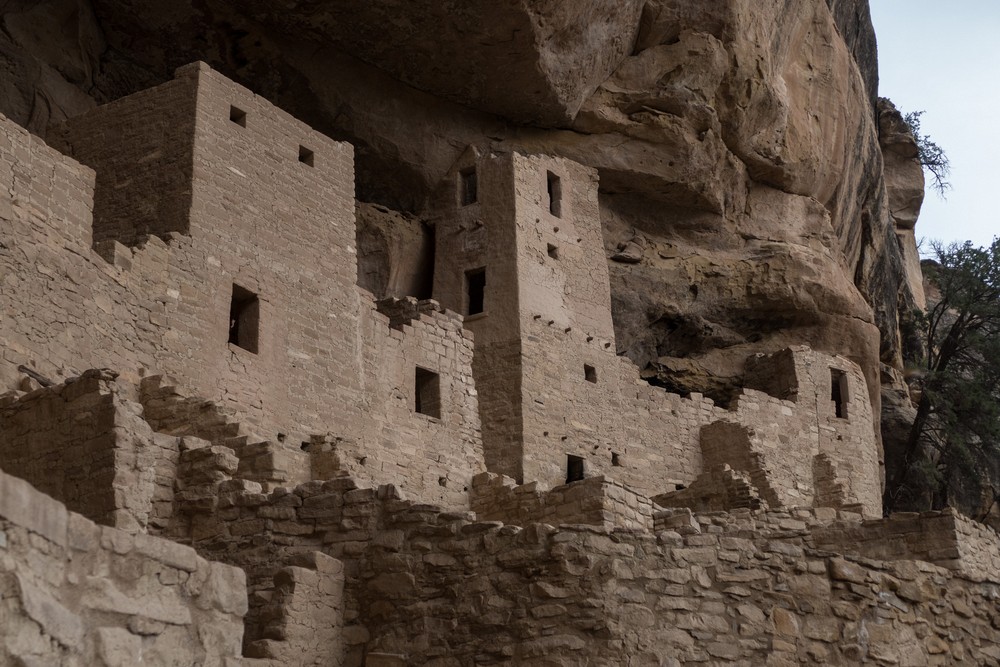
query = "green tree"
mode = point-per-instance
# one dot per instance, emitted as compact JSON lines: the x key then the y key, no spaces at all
{"x":951,"y":452}
{"x":932,"y":157}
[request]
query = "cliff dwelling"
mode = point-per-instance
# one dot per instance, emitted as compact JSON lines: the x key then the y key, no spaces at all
{"x":558,"y":355}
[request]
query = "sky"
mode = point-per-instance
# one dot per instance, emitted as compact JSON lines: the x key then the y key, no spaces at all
{"x":943,"y":58}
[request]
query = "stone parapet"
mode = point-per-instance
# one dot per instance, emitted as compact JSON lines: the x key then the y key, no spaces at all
{"x":945,"y":538}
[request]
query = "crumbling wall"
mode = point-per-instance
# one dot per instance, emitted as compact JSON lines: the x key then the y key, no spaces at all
{"x":432,"y":450}
{"x":595,"y":501}
{"x":729,"y":587}
{"x":85,"y":444}
{"x":802,"y":447}
{"x":621,"y":427}
{"x":719,"y":488}
{"x":303,"y":617}
{"x":74,"y":593}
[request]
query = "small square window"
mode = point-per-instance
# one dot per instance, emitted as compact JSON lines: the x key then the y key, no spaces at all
{"x":475,"y":289}
{"x":427,"y":393}
{"x":553,"y":251}
{"x":574,"y":468}
{"x":616,"y":459}
{"x":590,"y":373}
{"x":555,"y":194}
{"x":468,"y":186}
{"x":238,"y":116}
{"x":306,"y":156}
{"x":244,"y":319}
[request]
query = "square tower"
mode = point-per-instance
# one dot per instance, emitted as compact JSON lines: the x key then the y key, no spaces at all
{"x":259,"y":304}
{"x":521,"y":255}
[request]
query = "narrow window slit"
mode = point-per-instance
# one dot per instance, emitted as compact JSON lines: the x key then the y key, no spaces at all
{"x":555,"y":194}
{"x":468,"y":186}
{"x":839,"y":392}
{"x":475,"y":289}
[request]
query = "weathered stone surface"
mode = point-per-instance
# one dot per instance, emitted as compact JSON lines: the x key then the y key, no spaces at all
{"x":102,"y":602}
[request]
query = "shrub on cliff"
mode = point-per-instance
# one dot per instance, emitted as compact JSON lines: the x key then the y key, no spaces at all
{"x":932,"y":157}
{"x":952,"y":452}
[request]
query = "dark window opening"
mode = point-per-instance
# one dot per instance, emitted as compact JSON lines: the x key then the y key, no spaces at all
{"x":616,"y":460}
{"x":244,"y":319}
{"x":424,"y":285}
{"x":574,"y":468}
{"x":553,"y":251}
{"x":427,"y":393}
{"x":555,"y":194}
{"x":238,"y":116}
{"x":590,"y":373}
{"x":838,"y":392}
{"x":468,"y":186}
{"x":306,"y":156}
{"x":475,"y":288}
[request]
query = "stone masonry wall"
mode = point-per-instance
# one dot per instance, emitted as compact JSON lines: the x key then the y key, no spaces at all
{"x":163,"y":305}
{"x":85,"y":444}
{"x":945,"y":538}
{"x":433,"y":457}
{"x":472,"y":236}
{"x":301,"y":620}
{"x":257,"y":217}
{"x":595,"y":501}
{"x":423,"y":585}
{"x":577,"y":400}
{"x":74,"y":593}
{"x":577,"y":595}
{"x":621,"y":426}
{"x":151,"y":141}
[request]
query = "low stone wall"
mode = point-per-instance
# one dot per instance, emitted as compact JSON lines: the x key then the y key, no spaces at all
{"x":945,"y":538}
{"x":74,"y":593}
{"x":422,"y":585}
{"x":596,"y":501}
{"x":579,"y":595}
{"x":302,"y":617}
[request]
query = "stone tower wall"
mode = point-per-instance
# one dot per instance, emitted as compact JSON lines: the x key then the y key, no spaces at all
{"x":150,"y":140}
{"x":259,"y":218}
{"x":475,"y":235}
{"x":555,"y":390}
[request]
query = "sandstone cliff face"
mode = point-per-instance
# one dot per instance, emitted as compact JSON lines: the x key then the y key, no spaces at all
{"x":743,"y":192}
